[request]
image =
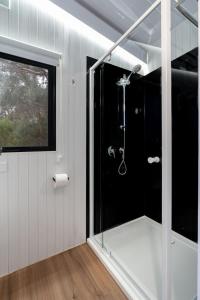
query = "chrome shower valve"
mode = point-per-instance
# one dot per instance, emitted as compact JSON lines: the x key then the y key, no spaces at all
{"x":111,"y":151}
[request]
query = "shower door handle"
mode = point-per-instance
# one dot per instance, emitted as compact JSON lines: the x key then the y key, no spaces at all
{"x":153,"y":160}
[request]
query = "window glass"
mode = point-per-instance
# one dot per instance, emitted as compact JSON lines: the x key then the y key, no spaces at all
{"x":24,"y":104}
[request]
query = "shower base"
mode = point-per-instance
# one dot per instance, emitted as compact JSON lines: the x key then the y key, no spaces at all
{"x":132,"y":253}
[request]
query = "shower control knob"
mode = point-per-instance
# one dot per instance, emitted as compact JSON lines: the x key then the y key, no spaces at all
{"x":157,"y":159}
{"x":152,"y":160}
{"x":121,"y":150}
{"x":111,"y":151}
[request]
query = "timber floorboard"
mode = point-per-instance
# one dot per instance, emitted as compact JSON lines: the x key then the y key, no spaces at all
{"x":74,"y":274}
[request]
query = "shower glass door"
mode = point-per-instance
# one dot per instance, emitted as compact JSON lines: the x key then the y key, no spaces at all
{"x":130,"y":149}
{"x":129,"y":218}
{"x":184,"y":40}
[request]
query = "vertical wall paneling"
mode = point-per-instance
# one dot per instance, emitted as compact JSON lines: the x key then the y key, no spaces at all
{"x":61,"y":156}
{"x":13,"y":218}
{"x":51,"y":205}
{"x":14,"y":13}
{"x":4,"y":255}
{"x":42,"y":205}
{"x":73,"y":121}
{"x":68,"y":141}
{"x":4,"y":16}
{"x":46,"y":30}
{"x":33,"y":207}
{"x":77,"y":102}
{"x":82,"y":174}
{"x":37,"y":221}
{"x":59,"y":221}
{"x":28,"y":22}
{"x":23,"y":190}
{"x":184,"y":39}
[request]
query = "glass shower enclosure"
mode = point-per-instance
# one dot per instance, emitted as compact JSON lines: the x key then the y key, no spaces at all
{"x":143,"y":154}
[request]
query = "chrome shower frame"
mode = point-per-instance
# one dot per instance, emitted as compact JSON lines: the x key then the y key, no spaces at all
{"x":166,"y":140}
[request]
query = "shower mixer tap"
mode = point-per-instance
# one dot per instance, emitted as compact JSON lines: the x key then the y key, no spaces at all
{"x":121,"y":150}
{"x":111,"y":151}
{"x":122,"y":127}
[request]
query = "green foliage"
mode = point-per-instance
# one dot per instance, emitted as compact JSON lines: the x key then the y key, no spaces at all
{"x":6,"y":132}
{"x":23,"y":105}
{"x":23,"y":134}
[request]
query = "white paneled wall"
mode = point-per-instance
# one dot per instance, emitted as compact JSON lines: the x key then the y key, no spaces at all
{"x":184,"y":38}
{"x":37,"y":221}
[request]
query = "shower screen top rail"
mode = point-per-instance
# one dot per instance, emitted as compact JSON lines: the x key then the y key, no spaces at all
{"x":126,"y":34}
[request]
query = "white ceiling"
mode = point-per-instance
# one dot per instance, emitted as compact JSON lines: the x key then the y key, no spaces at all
{"x":113,"y":17}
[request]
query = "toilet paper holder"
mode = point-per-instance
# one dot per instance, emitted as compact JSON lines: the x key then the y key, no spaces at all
{"x":54,"y":179}
{"x":60,"y":180}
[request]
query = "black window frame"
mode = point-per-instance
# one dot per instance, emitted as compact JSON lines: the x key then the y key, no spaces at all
{"x":51,"y":105}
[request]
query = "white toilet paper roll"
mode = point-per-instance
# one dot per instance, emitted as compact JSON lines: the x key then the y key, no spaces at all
{"x":60,"y":180}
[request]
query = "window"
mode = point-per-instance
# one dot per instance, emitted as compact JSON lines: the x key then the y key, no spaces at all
{"x":27,"y":105}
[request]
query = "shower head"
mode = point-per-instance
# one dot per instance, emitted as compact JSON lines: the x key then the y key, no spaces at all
{"x":135,"y":70}
{"x":124,"y":81}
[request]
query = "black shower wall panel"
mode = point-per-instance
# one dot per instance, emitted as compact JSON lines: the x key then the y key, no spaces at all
{"x":184,"y":144}
{"x":120,"y":199}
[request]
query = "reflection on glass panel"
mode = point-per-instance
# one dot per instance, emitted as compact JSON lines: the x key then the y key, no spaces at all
{"x":184,"y":149}
{"x":128,"y":155}
{"x":128,"y":142}
{"x":5,"y":3}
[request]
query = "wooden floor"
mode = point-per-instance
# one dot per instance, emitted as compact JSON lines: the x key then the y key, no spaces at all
{"x":75,"y":274}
